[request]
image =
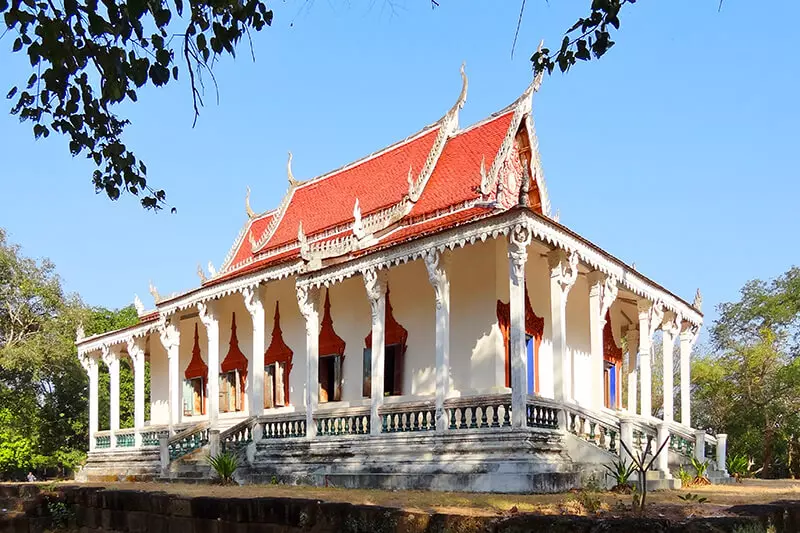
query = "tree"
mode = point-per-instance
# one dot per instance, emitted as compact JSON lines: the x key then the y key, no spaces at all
{"x":87,"y":57}
{"x":43,"y":388}
{"x":749,"y":386}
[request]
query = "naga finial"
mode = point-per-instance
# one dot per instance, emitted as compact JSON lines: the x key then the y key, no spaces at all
{"x":154,"y":292}
{"x":211,"y":269}
{"x":462,"y":98}
{"x":537,"y":80}
{"x":247,"y":208}
{"x":292,"y":180}
{"x":698,"y":300}
{"x":137,"y":303}
{"x":201,"y":274}
{"x":358,"y":224}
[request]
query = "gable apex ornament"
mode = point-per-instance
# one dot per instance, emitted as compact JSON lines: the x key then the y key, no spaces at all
{"x":537,"y":80}
{"x":247,"y":208}
{"x":201,"y":274}
{"x":462,"y":98}
{"x":698,"y":301}
{"x":211,"y":269}
{"x":292,"y":181}
{"x":358,"y":224}
{"x":305,"y":251}
{"x":154,"y":292}
{"x":137,"y":303}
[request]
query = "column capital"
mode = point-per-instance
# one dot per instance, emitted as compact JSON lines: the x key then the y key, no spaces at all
{"x":518,"y":240}
{"x":375,"y":282}
{"x":252,"y":300}
{"x":689,"y":332}
{"x":109,"y":355}
{"x":88,"y":362}
{"x":651,"y":316}
{"x":207,"y":312}
{"x":671,"y":323}
{"x":168,"y":333}
{"x":606,"y":288}
{"x":135,"y":346}
{"x":308,"y":301}
{"x":436,"y":263}
{"x":563,"y":268}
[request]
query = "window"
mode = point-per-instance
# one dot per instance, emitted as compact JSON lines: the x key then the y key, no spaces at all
{"x":392,"y":371}
{"x":273,"y":386}
{"x":330,"y":378}
{"x":609,"y":384}
{"x":193,"y":397}
{"x":230,"y":399}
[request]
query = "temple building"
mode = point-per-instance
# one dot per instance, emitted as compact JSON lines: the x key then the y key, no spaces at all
{"x":415,"y":319}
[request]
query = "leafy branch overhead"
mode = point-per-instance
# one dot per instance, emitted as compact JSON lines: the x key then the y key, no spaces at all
{"x":88,"y":56}
{"x":588,"y":37}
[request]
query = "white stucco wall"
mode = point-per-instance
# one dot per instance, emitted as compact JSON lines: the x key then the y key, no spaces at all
{"x":579,"y":341}
{"x":159,"y":382}
{"x":352,"y":320}
{"x":537,"y":279}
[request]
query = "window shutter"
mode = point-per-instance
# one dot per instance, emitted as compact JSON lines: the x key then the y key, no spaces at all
{"x":278,"y":373}
{"x":337,"y":378}
{"x":367,"y":378}
{"x":269,"y":376}
{"x":188,"y":397}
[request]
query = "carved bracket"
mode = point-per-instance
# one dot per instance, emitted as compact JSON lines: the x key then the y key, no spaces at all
{"x":435,"y":262}
{"x":375,"y":283}
{"x":606,"y":287}
{"x":169,"y":334}
{"x":252,"y":300}
{"x":518,"y":240}
{"x":564,"y":269}
{"x":207,"y":313}
{"x":308,"y":301}
{"x":136,"y":350}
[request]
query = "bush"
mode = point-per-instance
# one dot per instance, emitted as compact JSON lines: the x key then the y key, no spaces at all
{"x":685,"y":477}
{"x":738,"y":466}
{"x":225,"y":465}
{"x":700,"y":467}
{"x":620,"y":472}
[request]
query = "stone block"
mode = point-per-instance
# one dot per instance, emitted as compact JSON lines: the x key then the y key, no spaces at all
{"x":179,"y":506}
{"x":180,"y":524}
{"x":209,"y":508}
{"x":205,"y":525}
{"x":254,"y":527}
{"x":237,"y":510}
{"x":232,"y":527}
{"x":136,"y":522}
{"x":157,"y":523}
{"x":556,"y":524}
{"x":159,"y":502}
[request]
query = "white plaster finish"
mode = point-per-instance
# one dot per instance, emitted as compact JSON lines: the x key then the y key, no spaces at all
{"x":633,"y":364}
{"x":89,"y":363}
{"x":518,"y":241}
{"x":169,"y":333}
{"x":209,"y":316}
{"x":663,"y":458}
{"x":600,"y":292}
{"x":308,"y":300}
{"x":224,"y":308}
{"x":563,"y":273}
{"x":375,"y":284}
{"x":293,"y":329}
{"x":110,"y":357}
{"x":436,"y":264}
{"x":670,"y":330}
{"x":254,"y":304}
{"x":579,"y":342}
{"x":159,"y":383}
{"x":688,"y":337}
{"x":136,"y":352}
{"x":650,"y":317}
{"x":95,"y":343}
{"x":722,"y":451}
{"x":352,"y":321}
{"x":186,"y":327}
{"x":537,"y":280}
{"x":700,"y":445}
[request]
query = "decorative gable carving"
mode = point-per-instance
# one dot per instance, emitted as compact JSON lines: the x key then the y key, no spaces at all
{"x":197,"y":367}
{"x":329,"y":342}
{"x":279,"y":352}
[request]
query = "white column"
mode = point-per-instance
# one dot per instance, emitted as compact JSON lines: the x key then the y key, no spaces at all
{"x":626,"y":436}
{"x":633,"y":362}
{"x":210,"y":319}
{"x":90,"y":365}
{"x":518,"y":240}
{"x":111,"y":359}
{"x":435,"y":262}
{"x":603,"y":291}
{"x":255,"y":372}
{"x":722,"y":450}
{"x":136,"y":353}
{"x":650,"y":317}
{"x":308,"y":301}
{"x":700,"y":445}
{"x":663,"y":458}
{"x":688,"y":338}
{"x":670,"y":328}
{"x":375,"y":283}
{"x":563,"y":273}
{"x":169,"y":335}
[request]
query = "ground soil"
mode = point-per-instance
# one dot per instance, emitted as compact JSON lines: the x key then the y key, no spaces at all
{"x":661,"y":504}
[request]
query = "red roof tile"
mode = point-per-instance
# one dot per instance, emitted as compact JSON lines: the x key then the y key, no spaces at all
{"x":257,"y":227}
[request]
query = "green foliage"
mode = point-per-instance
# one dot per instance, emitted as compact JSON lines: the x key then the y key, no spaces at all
{"x":43,"y":388}
{"x":684,"y":476}
{"x":60,"y":514}
{"x":225,"y":465}
{"x":620,"y":471}
{"x":738,"y":466}
{"x":86,"y":57}
{"x":588,"y":37}
{"x":692,"y":498}
{"x":700,"y":467}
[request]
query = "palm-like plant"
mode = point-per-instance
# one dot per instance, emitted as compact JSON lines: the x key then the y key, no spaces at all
{"x":738,"y":466}
{"x":700,"y":467}
{"x":225,"y":465}
{"x":620,"y":471}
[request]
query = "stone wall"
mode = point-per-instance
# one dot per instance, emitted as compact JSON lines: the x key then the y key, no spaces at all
{"x":92,"y":509}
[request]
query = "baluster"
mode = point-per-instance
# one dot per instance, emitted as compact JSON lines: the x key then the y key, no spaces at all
{"x":415,"y":418}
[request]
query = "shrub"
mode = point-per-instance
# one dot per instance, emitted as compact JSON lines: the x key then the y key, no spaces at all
{"x":620,"y":472}
{"x":700,"y":467}
{"x":225,"y":465}
{"x":738,"y":466}
{"x":685,"y":477}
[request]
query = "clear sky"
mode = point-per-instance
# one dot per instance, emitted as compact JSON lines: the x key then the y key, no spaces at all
{"x":676,"y":151}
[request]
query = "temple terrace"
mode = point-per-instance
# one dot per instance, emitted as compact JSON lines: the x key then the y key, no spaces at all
{"x":418,"y":318}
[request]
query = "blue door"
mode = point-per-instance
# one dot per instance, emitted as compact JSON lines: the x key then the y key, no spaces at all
{"x":529,"y":347}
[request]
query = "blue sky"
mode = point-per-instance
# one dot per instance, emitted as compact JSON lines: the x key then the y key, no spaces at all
{"x":676,"y":151}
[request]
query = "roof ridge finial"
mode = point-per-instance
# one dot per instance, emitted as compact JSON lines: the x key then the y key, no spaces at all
{"x":247,"y":208}
{"x":292,"y":181}
{"x":537,"y":80}
{"x":452,"y":115}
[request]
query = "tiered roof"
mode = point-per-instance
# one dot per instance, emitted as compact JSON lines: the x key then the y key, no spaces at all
{"x":438,"y":178}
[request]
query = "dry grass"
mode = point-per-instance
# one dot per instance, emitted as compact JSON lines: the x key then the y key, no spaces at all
{"x":662,"y":503}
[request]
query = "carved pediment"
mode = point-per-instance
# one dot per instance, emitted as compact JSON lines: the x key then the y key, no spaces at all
{"x":197,"y":367}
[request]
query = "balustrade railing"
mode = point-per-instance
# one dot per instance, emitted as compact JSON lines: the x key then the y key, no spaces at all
{"x":150,"y":436}
{"x":125,"y":438}
{"x":188,"y":440}
{"x":102,"y":440}
{"x":237,"y":437}
{"x":344,"y":422}
{"x":595,"y":428}
{"x":408,"y":417}
{"x":642,"y":436}
{"x":681,"y":440}
{"x":479,"y":412}
{"x":541,"y":413}
{"x":711,"y":448}
{"x":283,"y":426}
